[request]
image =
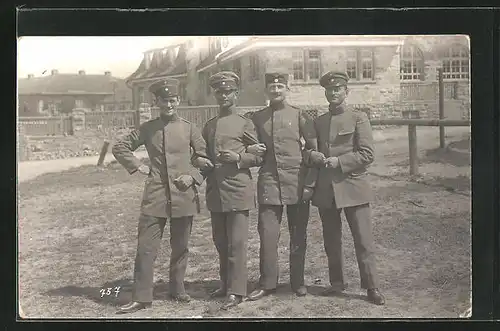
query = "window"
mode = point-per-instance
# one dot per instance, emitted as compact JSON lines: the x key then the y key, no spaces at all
{"x":41,"y":106}
{"x":412,"y":63}
{"x":456,"y":63}
{"x":298,"y":65}
{"x":314,"y":70}
{"x":352,"y":64}
{"x":254,"y":67}
{"x":78,"y":103}
{"x":159,"y":58}
{"x":306,"y":65}
{"x":54,"y":107}
{"x":360,"y":64}
{"x":147,"y":59}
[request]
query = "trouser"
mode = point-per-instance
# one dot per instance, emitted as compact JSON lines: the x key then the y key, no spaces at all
{"x":270,"y":217}
{"x":358,"y":218}
{"x":150,"y":233}
{"x":230,"y":235}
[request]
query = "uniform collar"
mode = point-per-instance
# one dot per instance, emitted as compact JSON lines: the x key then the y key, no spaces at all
{"x":227,"y":111}
{"x":278,"y":106}
{"x":337,"y":110}
{"x":169,"y":119}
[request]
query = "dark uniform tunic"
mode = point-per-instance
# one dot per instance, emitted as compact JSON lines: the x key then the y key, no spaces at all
{"x":169,"y":146}
{"x":347,"y":135}
{"x":281,"y":181}
{"x":230,"y":195}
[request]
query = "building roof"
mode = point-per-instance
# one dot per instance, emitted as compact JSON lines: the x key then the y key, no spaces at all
{"x":70,"y":84}
{"x":212,"y":58}
{"x":165,"y":67}
{"x":265,"y":42}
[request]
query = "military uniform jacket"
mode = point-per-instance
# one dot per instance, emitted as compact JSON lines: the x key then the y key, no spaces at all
{"x":169,"y":147}
{"x":229,"y":185}
{"x":347,"y":136}
{"x":289,"y":136}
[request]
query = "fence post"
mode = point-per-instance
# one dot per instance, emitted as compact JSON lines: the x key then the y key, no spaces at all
{"x":104,"y":151}
{"x":441,"y":107}
{"x":62,"y":131}
{"x":71,"y":129}
{"x":412,"y":142}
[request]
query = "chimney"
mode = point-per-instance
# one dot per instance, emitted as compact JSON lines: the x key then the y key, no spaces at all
{"x":107,"y":73}
{"x":81,"y":72}
{"x":54,"y":72}
{"x":30,"y":76}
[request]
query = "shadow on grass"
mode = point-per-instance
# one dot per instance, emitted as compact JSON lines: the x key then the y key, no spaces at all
{"x":448,"y":156}
{"x":318,"y":291}
{"x":198,"y":290}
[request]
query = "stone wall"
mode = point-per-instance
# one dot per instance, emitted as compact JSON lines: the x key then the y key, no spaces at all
{"x":384,"y":87}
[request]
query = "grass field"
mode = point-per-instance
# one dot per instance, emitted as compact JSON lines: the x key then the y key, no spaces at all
{"x":77,"y":235}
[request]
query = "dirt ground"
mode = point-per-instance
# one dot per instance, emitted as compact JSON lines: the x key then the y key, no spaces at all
{"x":77,"y":236}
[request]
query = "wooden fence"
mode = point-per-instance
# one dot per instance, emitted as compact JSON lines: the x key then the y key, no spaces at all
{"x":107,"y":119}
{"x":46,"y":126}
{"x":61,"y":125}
{"x":412,"y":134}
{"x":427,"y":91}
{"x":414,"y":98}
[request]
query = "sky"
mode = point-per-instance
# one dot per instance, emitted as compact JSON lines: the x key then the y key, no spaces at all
{"x":95,"y":55}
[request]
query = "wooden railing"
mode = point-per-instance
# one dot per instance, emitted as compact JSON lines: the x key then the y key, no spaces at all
{"x":43,"y":126}
{"x":107,"y":119}
{"x":412,"y":134}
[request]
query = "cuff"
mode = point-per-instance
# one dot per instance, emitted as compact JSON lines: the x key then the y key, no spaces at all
{"x":197,"y":177}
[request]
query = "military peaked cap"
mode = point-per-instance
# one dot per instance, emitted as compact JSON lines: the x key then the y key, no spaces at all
{"x":165,"y":88}
{"x":275,"y":78}
{"x":224,"y":80}
{"x":334,"y":78}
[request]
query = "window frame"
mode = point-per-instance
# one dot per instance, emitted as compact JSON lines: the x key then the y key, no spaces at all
{"x":305,"y":64}
{"x":447,"y":55}
{"x":77,"y":103}
{"x":417,"y":61}
{"x":359,"y":68}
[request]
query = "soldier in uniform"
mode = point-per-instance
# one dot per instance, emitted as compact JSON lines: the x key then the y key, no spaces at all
{"x":230,"y":193}
{"x":287,"y":141}
{"x":170,"y":191}
{"x":345,"y":138}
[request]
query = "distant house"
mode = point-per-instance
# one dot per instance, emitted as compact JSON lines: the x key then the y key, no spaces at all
{"x":60,"y":93}
{"x":382,"y":69}
{"x":169,"y":62}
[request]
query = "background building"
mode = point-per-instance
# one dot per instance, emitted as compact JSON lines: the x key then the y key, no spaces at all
{"x":181,"y":61}
{"x":385,"y":71}
{"x":60,"y":93}
{"x":381,"y":68}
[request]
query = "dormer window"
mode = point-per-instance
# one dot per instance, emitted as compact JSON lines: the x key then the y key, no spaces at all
{"x":147,"y":59}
